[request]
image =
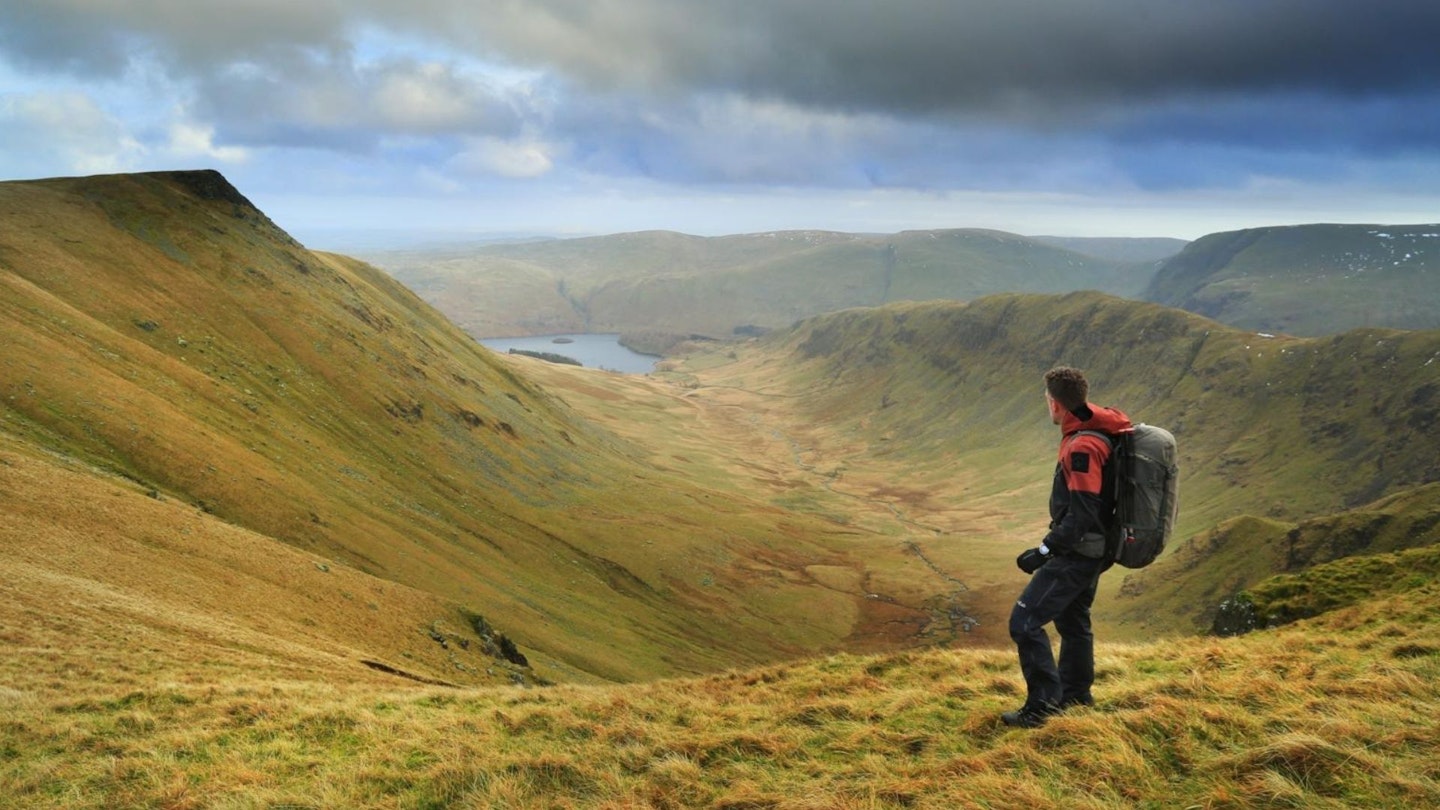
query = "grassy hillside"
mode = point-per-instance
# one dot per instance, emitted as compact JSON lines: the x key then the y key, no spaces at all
{"x":1310,"y":279}
{"x":668,"y":282}
{"x":1302,"y":280}
{"x":162,"y":332}
{"x":1332,"y":712}
{"x":1262,"y":419}
{"x":109,"y":587}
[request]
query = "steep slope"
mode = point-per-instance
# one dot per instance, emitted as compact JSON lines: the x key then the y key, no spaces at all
{"x":1309,"y":279}
{"x":110,"y":586}
{"x":161,"y":329}
{"x":858,"y":481}
{"x":658,"y":281}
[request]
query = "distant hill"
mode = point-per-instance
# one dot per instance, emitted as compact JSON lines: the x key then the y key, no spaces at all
{"x":1309,"y":279}
{"x":721,"y":286}
{"x":1262,"y":419}
{"x":1302,"y":280}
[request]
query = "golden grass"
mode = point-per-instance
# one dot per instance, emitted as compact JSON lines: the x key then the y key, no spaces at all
{"x":108,"y":588}
{"x":924,"y":553}
{"x":1323,"y":714}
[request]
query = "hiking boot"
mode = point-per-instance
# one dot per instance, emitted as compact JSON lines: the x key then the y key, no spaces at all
{"x":1076,"y":701}
{"x":1029,"y":716}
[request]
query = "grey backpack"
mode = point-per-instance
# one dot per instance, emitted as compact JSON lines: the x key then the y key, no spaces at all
{"x":1145,"y":479}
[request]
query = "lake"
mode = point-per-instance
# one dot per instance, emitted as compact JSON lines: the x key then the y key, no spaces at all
{"x":593,"y":351}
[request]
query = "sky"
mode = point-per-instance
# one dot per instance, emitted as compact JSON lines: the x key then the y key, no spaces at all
{"x":373,"y":123}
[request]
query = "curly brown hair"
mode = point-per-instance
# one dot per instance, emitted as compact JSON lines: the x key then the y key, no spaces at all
{"x":1067,"y":386}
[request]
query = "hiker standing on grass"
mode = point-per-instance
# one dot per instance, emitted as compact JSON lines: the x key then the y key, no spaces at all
{"x":1065,"y":569}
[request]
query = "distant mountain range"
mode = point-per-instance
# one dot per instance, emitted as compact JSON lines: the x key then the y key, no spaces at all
{"x":1301,"y":280}
{"x":719,"y":287}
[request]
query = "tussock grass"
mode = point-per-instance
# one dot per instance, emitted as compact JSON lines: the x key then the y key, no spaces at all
{"x":1324,"y":713}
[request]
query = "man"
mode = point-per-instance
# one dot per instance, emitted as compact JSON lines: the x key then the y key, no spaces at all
{"x":1065,"y":569}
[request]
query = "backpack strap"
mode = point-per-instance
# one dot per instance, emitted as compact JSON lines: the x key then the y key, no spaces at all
{"x":1114,"y":521}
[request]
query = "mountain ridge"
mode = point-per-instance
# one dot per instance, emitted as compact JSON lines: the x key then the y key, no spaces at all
{"x":1306,"y":280}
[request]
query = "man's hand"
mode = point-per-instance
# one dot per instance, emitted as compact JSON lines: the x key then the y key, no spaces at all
{"x":1031,"y":559}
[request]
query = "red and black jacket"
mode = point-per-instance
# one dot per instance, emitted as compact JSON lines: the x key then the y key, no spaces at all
{"x":1080,"y":500}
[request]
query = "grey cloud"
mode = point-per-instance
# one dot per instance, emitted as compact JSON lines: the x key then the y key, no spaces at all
{"x":943,"y":93}
{"x":1374,"y":124}
{"x":265,"y":72}
{"x":905,"y":56}
{"x":84,"y":38}
{"x":55,"y":37}
{"x":338,"y":104}
{"x":942,"y":56}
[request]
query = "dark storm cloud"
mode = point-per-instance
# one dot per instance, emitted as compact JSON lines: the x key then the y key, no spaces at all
{"x":947,"y":56}
{"x":89,"y":38}
{"x":909,"y":56}
{"x":1002,"y":94}
{"x":996,"y":93}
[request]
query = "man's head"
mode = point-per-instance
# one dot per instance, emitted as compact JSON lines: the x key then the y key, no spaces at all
{"x":1066,"y":390}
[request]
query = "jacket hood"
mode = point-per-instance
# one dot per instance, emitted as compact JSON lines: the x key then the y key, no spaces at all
{"x":1105,"y":420}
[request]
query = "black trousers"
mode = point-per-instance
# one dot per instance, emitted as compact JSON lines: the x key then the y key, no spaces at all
{"x":1062,"y":592}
